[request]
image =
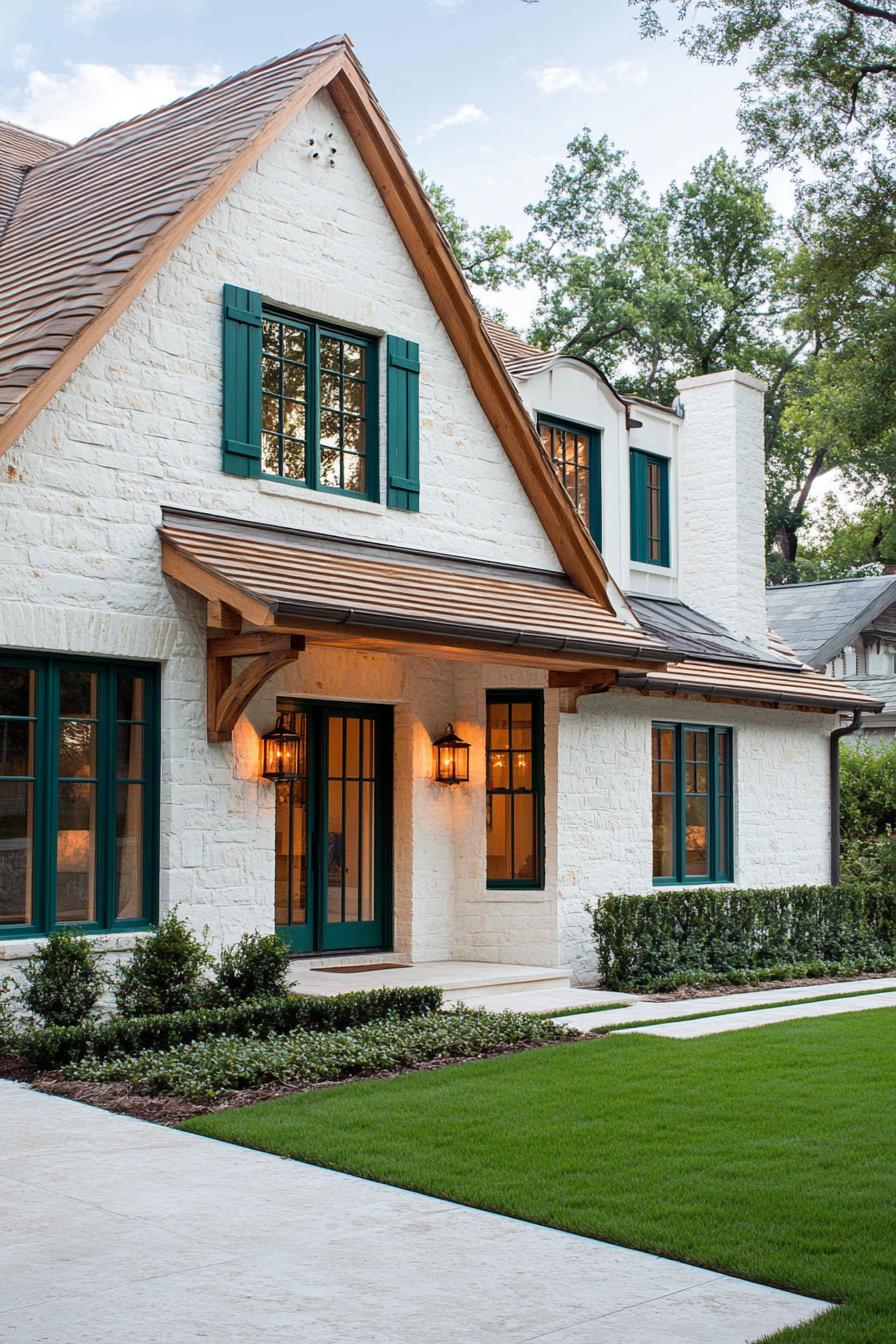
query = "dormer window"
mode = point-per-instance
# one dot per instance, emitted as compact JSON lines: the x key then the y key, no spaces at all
{"x":649,"y":496}
{"x":574,"y":451}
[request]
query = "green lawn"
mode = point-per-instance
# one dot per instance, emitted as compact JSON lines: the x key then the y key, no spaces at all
{"x":767,"y":1153}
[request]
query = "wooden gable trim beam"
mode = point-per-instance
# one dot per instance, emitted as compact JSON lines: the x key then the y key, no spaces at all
{"x":434,"y":261}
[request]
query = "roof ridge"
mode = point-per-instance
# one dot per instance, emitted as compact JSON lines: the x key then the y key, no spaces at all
{"x":335,"y":41}
{"x":29,"y":130}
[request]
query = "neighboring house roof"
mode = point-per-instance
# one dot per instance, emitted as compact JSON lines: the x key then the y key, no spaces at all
{"x":19,"y":151}
{"x":95,"y":221}
{"x":687,"y":631}
{"x":881,"y":688}
{"x":819,"y":619}
{"x":372,"y":593}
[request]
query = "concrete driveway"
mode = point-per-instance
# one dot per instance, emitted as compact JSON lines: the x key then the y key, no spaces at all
{"x":115,"y":1231}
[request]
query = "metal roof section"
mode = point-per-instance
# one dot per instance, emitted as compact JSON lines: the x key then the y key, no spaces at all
{"x":292,"y":576}
{"x":689,"y":632}
{"x":819,"y":619}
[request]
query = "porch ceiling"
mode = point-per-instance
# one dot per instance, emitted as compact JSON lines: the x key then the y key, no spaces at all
{"x":379,"y":598}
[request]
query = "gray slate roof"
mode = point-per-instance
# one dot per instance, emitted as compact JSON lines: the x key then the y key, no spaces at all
{"x":819,"y":619}
{"x":879,"y":688}
{"x":690,"y":632}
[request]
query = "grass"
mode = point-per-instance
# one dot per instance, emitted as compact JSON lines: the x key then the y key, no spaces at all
{"x":767,"y":1153}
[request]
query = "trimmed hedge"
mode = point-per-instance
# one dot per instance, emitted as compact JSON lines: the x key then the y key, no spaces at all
{"x":203,"y":1069}
{"x":53,"y":1047}
{"x":700,"y":934}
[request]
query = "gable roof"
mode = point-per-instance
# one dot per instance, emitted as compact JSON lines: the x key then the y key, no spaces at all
{"x":95,"y":221}
{"x":819,"y":619}
{"x":523,"y":360}
{"x":19,"y":151}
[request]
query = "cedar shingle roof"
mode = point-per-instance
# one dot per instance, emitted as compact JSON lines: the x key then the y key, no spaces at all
{"x":88,"y":214}
{"x":325,"y":583}
{"x":19,"y":151}
{"x":801,"y":687}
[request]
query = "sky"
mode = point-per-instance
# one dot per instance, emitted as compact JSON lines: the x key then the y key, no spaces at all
{"x":485,"y":94}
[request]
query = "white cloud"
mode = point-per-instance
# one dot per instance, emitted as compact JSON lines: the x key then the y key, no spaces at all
{"x":466,"y":115}
{"x":87,"y":97}
{"x":551,"y":79}
{"x":84,"y":13}
{"x":21,"y":55}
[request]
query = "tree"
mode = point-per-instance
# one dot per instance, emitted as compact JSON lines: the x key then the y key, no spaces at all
{"x":485,"y":254}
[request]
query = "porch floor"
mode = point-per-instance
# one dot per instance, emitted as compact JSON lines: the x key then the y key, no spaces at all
{"x":486,"y":983}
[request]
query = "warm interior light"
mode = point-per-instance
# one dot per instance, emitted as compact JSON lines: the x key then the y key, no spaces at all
{"x":283,"y":750}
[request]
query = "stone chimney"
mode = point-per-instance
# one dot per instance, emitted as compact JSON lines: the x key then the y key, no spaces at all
{"x":722,"y":501}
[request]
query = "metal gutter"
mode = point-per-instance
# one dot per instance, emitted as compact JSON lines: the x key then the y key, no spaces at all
{"x":639,"y":681}
{"x":852,"y":727}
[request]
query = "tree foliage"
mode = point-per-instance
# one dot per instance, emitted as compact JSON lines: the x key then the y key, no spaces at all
{"x":485,"y":254}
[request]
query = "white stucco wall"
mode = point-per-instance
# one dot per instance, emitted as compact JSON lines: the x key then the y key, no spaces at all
{"x":604,"y":839}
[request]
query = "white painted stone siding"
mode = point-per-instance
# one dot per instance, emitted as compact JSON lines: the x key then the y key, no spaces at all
{"x":605,"y":831}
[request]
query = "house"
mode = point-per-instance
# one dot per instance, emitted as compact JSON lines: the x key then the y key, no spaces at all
{"x":264,"y":463}
{"x":847,"y":629}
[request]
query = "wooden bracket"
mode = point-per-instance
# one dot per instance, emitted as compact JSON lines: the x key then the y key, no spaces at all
{"x":573,"y":685}
{"x":228,"y":695}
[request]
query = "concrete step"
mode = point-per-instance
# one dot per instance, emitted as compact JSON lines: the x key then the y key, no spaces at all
{"x":461,"y":981}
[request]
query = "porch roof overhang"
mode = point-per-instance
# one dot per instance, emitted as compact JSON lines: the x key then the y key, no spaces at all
{"x":796,"y":687}
{"x":381,"y":598}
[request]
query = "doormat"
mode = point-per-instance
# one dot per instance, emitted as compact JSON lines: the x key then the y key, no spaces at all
{"x":372,"y":966}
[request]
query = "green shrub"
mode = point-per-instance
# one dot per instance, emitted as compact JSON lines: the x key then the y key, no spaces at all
{"x":165,"y":973}
{"x":867,"y":789}
{"x":8,"y":1025}
{"x":203,"y":1069}
{"x":257,"y":1019}
{"x":63,"y":980}
{"x":647,"y":942}
{"x":254,"y":968}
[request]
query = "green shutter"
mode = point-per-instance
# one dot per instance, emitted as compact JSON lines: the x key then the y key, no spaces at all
{"x":403,"y":415}
{"x":242,"y":381}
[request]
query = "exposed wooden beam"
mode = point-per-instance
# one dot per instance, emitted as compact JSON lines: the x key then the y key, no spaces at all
{"x":253,"y":643}
{"x":222,"y":619}
{"x":581,"y":677}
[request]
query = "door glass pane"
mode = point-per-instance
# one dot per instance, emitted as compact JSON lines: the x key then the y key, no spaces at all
{"x":16,"y":691}
{"x":130,"y":704}
{"x":352,"y":849}
{"x":335,"y":856}
{"x":77,"y":694}
{"x":77,"y":749}
{"x":16,"y":850}
{"x":129,"y":850}
{"x":16,"y":739}
{"x":129,"y":751}
{"x":367,"y":850}
{"x":291,"y":844}
{"x":76,"y":853}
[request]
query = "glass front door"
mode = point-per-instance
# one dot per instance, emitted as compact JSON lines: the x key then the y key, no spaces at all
{"x":333,"y":868}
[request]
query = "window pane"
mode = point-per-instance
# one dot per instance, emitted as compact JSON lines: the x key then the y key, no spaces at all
{"x":663,"y":836}
{"x":525,"y":865}
{"x":293,"y":460}
{"x":521,"y":762}
{"x":354,"y":359}
{"x":129,"y":751}
{"x":355,"y":476}
{"x":499,"y":725}
{"x":696,"y":837}
{"x":329,"y":429}
{"x":129,"y":850}
{"x":76,"y":853}
{"x":16,"y":747}
{"x":270,"y":455}
{"x":722,"y":814}
{"x":294,"y":381}
{"x":330,"y":351}
{"x":77,"y":694}
{"x":329,"y":391}
{"x":77,"y":749}
{"x":329,"y":468}
{"x":16,"y":690}
{"x":131,"y":698}
{"x":497,"y":837}
{"x":294,"y":343}
{"x":270,"y":331}
{"x":270,"y":375}
{"x":16,"y":851}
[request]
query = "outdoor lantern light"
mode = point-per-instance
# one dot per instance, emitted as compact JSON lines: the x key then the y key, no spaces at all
{"x":451,"y":758}
{"x":283,"y":751}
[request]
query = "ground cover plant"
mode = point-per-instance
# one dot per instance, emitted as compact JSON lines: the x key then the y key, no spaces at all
{"x":703,"y":936}
{"x":204,"y":1068}
{"x":766,"y":1153}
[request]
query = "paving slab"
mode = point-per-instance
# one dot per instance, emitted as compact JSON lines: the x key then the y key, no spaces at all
{"x":116,"y":1230}
{"x":761,"y":1017}
{"x":644,"y":1010}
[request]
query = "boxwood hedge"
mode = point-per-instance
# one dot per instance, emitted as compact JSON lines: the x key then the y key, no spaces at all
{"x":699,"y":935}
{"x":53,"y":1047}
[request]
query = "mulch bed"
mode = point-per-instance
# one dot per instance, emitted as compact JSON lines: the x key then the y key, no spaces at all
{"x":690,"y":992}
{"x":168,"y":1109}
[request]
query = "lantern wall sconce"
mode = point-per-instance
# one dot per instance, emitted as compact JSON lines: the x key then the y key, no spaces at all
{"x":451,"y":758}
{"x":283,"y":751}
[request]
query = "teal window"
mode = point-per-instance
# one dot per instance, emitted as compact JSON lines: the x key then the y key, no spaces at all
{"x":319,"y":406}
{"x":649,"y":495}
{"x":574,"y":451}
{"x":79,"y":794}
{"x":692,"y":804}
{"x":514,"y":749}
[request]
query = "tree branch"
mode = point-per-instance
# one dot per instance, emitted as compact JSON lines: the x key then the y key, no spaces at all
{"x":867,"y":11}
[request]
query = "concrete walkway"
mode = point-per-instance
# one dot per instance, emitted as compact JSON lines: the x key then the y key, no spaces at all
{"x":116,"y":1230}
{"x":644,"y":1011}
{"x":763,"y":1017}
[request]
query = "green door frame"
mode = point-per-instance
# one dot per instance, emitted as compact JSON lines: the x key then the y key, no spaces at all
{"x":317,"y":934}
